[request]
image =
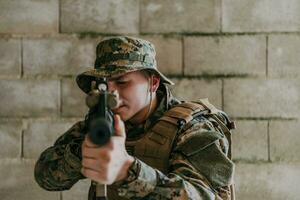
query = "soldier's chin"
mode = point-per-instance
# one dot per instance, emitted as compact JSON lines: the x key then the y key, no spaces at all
{"x":121,"y":112}
{"x":123,"y":116}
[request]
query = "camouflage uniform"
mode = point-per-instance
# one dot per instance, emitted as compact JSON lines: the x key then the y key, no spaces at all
{"x":206,"y":173}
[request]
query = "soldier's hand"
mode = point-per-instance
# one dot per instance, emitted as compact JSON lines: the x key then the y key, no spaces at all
{"x":109,"y":163}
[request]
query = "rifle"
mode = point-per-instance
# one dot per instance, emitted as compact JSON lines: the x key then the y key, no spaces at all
{"x":99,"y":120}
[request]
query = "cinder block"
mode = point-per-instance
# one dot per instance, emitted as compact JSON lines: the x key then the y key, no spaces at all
{"x":193,"y":89}
{"x":262,"y":98}
{"x":283,"y":56}
{"x":18,"y":181}
{"x":10,"y":139}
{"x":168,"y":54}
{"x":27,"y":16}
{"x":103,"y":16}
{"x":284,"y":140}
{"x":29,"y":98}
{"x":260,"y":15}
{"x":79,"y":191}
{"x":73,"y":99}
{"x":42,"y":134}
{"x":250,"y":140}
{"x":180,"y":16}
{"x":237,"y":55}
{"x":58,"y":56}
{"x":10,"y":57}
{"x":267,"y":181}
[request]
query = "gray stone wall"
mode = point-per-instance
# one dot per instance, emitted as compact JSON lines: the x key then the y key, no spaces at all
{"x":243,"y":55}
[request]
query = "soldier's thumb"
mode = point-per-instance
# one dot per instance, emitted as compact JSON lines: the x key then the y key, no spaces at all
{"x":119,"y":126}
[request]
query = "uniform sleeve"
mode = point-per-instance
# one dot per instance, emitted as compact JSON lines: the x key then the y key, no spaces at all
{"x":58,"y":167}
{"x":199,"y":169}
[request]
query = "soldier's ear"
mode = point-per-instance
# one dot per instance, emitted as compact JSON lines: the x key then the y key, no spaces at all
{"x":154,"y":83}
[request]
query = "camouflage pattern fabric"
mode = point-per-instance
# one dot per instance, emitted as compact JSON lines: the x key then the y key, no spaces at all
{"x":120,"y":55}
{"x":58,"y":167}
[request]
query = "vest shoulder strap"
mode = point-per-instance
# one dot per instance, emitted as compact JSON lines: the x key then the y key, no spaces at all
{"x":183,"y":112}
{"x":174,"y":119}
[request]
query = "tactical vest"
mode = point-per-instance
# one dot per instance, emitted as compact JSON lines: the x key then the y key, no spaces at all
{"x":154,"y":147}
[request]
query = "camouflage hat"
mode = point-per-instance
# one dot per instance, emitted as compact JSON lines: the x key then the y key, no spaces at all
{"x":120,"y":55}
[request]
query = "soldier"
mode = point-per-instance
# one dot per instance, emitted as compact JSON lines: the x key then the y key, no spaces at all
{"x":162,"y":148}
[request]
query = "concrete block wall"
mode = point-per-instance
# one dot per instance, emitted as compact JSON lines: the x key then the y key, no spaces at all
{"x":241,"y":54}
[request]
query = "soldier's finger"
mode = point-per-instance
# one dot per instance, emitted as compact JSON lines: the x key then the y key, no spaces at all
{"x":98,"y":165}
{"x":90,"y":173}
{"x":103,"y":153}
{"x":119,"y":126}
{"x":94,"y":175}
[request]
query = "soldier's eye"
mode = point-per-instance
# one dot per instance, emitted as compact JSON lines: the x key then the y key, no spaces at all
{"x":121,"y":82}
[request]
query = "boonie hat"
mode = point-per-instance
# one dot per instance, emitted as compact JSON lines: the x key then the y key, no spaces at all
{"x":119,"y":55}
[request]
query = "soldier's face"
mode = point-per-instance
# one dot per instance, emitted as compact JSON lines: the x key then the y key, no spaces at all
{"x":134,"y":94}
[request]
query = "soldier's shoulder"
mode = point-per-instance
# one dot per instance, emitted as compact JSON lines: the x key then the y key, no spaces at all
{"x":204,"y":144}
